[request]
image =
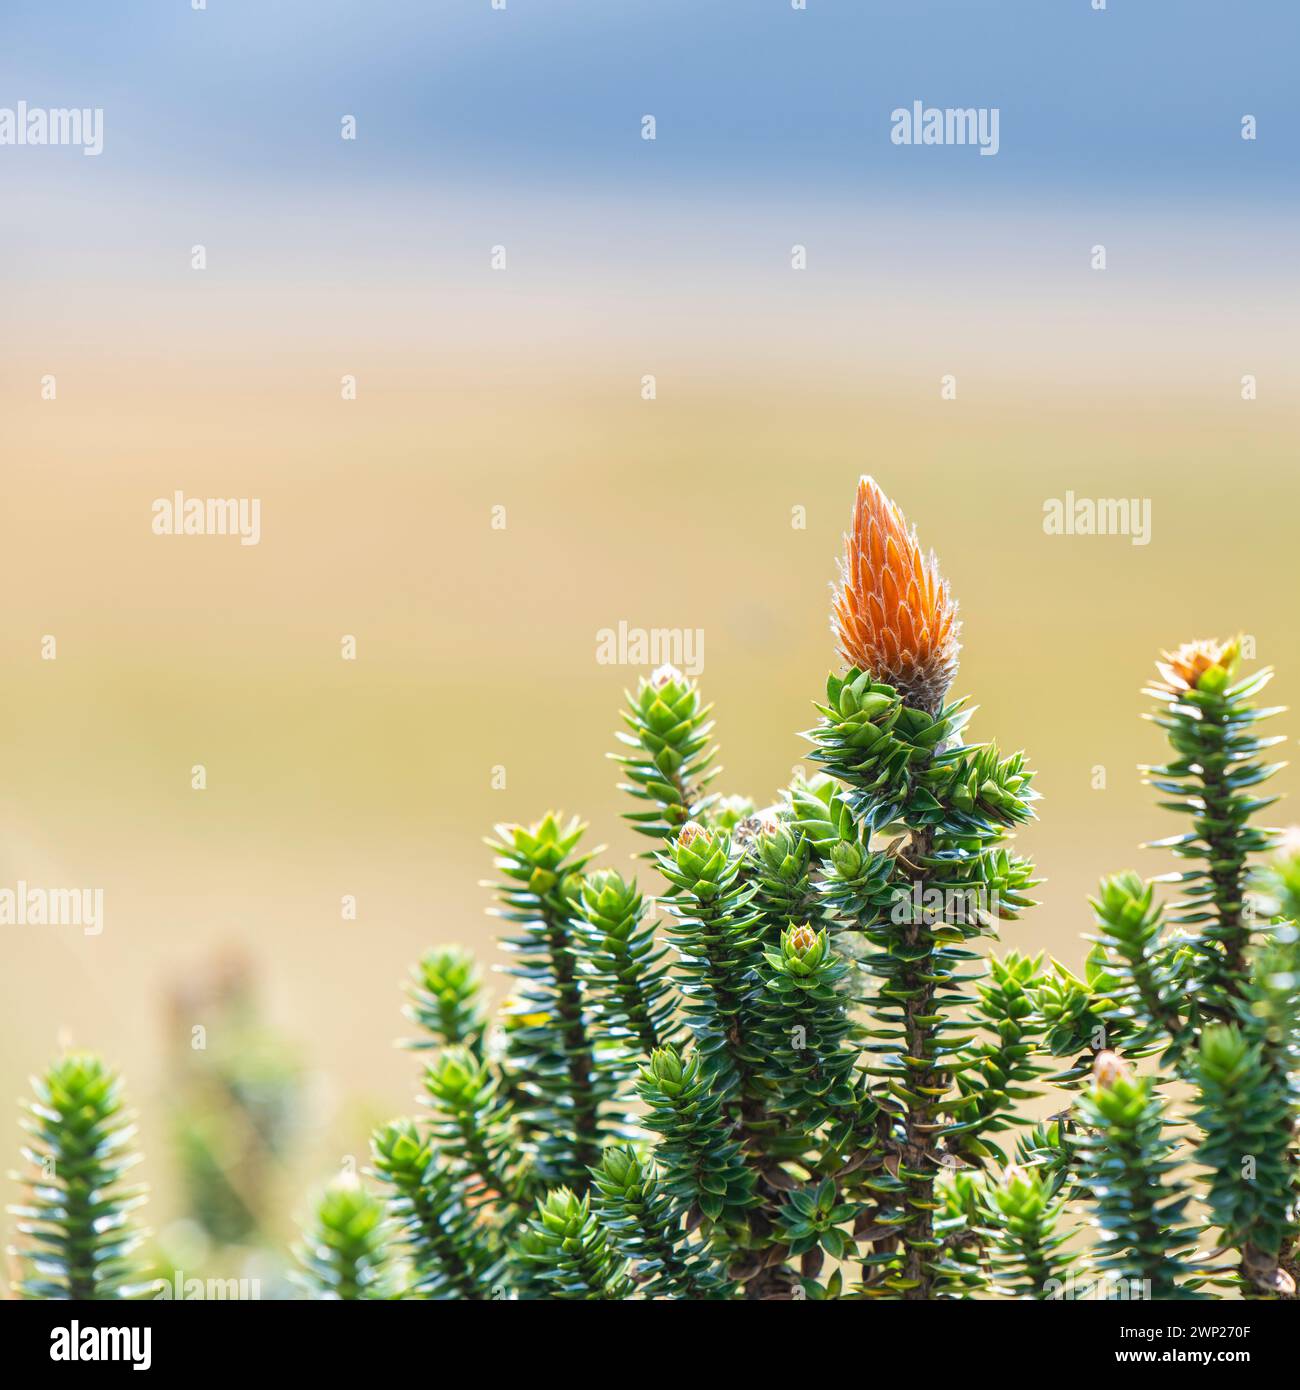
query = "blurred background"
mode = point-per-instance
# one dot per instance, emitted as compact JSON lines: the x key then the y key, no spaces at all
{"x":517,"y":395}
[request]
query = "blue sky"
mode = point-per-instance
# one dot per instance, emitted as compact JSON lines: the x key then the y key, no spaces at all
{"x":1145,"y":98}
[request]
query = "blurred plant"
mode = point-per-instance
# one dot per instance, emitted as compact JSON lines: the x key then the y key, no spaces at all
{"x":344,"y":1253}
{"x":236,"y":1102}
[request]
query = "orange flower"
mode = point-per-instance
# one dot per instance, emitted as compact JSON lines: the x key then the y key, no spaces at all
{"x":893,"y":614}
{"x":1183,"y":669}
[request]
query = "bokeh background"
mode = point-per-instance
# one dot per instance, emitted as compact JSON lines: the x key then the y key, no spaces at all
{"x":522,"y":389}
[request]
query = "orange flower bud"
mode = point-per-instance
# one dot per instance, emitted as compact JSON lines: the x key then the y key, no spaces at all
{"x":893,"y":614}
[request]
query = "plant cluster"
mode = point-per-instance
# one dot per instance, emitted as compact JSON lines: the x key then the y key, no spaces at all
{"x":802,"y":1070}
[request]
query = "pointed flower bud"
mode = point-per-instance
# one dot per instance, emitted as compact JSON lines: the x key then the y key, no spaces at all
{"x":893,"y":613}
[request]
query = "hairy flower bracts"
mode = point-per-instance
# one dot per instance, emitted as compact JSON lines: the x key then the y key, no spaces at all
{"x":552,"y":1051}
{"x":445,"y":1000}
{"x":893,"y":613}
{"x":699,"y":1154}
{"x":570,"y":1252}
{"x":471,"y":1124}
{"x":449,"y":1253}
{"x":1246,"y":1111}
{"x":805,"y":1026}
{"x":645,"y":1223}
{"x":670,"y":762}
{"x":344,"y":1255}
{"x":76,"y":1219}
{"x":1128,"y":1161}
{"x":627,"y":965}
{"x":1207,"y":715}
{"x":1028,"y":1258}
{"x":716,"y":932}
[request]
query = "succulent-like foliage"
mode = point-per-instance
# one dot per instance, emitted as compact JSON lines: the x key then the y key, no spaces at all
{"x":433,"y":1219}
{"x":805,"y":1027}
{"x":717,"y":934}
{"x":780,"y":866}
{"x":1128,"y":1160}
{"x":565,"y":1084}
{"x":570,"y":1251}
{"x":344,"y":1253}
{"x":812,"y":1222}
{"x":75,"y":1222}
{"x":445,"y":995}
{"x":1147,"y":978}
{"x":627,"y":964}
{"x":698,"y":1150}
{"x":1207,"y":713}
{"x":1246,"y":1110}
{"x":1000,"y":1067}
{"x":645,"y":1224}
{"x":1029,"y":1260}
{"x":669,"y":764}
{"x":471,"y":1125}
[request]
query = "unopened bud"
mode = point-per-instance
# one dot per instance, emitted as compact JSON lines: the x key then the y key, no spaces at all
{"x":802,"y":939}
{"x":1110,"y":1067}
{"x":666,"y":675}
{"x":689,"y":833}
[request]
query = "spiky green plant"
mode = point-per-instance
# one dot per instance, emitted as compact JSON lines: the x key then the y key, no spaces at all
{"x":1029,"y":1259}
{"x":669,"y":764}
{"x":815,"y":1078}
{"x":344,"y":1252}
{"x":1128,"y":1161}
{"x":645,"y":1224}
{"x":450,"y":1255}
{"x":1208,"y":716}
{"x":446,"y":1000}
{"x":571,"y":1252}
{"x":565,"y":1077}
{"x":1247,"y":1113}
{"x":78,"y":1240}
